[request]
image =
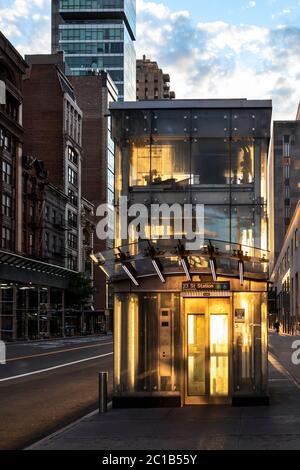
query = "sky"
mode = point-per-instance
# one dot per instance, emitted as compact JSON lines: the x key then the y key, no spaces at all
{"x":210,"y":48}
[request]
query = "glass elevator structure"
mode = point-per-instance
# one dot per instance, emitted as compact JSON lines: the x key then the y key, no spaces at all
{"x":190,"y":326}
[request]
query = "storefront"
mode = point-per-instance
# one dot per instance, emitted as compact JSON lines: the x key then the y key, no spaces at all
{"x":190,"y":322}
{"x":33,"y":302}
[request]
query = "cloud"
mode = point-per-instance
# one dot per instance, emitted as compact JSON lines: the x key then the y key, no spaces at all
{"x":27,"y":24}
{"x":221,"y":60}
{"x":206,"y":60}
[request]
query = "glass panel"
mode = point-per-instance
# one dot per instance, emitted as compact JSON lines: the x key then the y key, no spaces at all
{"x":217,"y":222}
{"x":242,"y":165}
{"x":196,"y":355}
{"x":170,"y":161}
{"x":219,"y":343}
{"x":243,"y":332}
{"x":132,"y":352}
{"x":210,"y":162}
{"x":117,"y":342}
{"x":140,"y":163}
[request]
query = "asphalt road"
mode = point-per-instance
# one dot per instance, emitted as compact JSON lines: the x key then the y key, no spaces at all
{"x":48,"y":384}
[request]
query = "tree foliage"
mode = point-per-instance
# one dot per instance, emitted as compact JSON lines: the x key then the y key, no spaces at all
{"x":80,"y":290}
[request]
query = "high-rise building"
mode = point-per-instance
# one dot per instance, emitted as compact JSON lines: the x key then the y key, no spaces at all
{"x":284,"y":180}
{"x":98,"y":35}
{"x":151,"y":82}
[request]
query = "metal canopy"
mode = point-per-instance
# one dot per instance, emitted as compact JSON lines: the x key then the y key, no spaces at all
{"x":18,"y":261}
{"x":226,"y":258}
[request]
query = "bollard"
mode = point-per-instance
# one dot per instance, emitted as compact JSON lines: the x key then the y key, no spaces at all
{"x":103,"y":381}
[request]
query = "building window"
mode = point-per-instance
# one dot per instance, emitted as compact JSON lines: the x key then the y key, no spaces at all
{"x":72,"y":262}
{"x":6,"y":238}
{"x":7,"y":141}
{"x":72,"y":176}
{"x":73,"y":156}
{"x":79,"y":130}
{"x":67,"y":116}
{"x":287,"y":146}
{"x":6,"y":172}
{"x":47,"y":241}
{"x":30,"y":244}
{"x":47,"y":213}
{"x":2,"y":137}
{"x":72,"y":241}
{"x":6,"y":205}
{"x":54,"y":216}
{"x":73,"y":198}
{"x":296,"y":239}
{"x":72,"y":219}
{"x":287,"y":211}
{"x":54,"y":244}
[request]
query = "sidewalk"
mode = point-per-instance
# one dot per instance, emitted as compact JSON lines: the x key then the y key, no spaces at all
{"x":196,"y":428}
{"x":281,"y":347}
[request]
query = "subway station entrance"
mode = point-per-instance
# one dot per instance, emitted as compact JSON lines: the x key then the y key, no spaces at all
{"x":193,"y":343}
{"x":207,"y":350}
{"x":189,"y":334}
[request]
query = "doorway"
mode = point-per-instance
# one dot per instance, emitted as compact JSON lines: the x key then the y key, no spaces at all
{"x":207,"y":350}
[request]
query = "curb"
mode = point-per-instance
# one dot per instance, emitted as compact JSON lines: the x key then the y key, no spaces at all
{"x":65,"y":429}
{"x":35,"y":341}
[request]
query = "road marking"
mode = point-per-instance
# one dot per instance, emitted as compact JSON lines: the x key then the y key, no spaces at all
{"x":56,"y":352}
{"x":279,"y":380}
{"x":55,"y":367}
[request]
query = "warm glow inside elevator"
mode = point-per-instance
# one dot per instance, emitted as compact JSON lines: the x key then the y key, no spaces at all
{"x":207,"y":346}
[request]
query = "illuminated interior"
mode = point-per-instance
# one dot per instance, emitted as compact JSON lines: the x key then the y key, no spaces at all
{"x":160,"y":162}
{"x":132,"y":352}
{"x":196,"y":355}
{"x":117,"y":341}
{"x":219,"y":348}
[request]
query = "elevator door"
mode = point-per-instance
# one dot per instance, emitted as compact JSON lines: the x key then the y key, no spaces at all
{"x":207,"y":348}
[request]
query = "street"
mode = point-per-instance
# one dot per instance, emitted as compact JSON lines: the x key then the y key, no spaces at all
{"x":46,"y":385}
{"x":201,"y":427}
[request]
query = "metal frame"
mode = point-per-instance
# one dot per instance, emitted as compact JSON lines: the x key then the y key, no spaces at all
{"x":18,"y":261}
{"x":207,"y":398}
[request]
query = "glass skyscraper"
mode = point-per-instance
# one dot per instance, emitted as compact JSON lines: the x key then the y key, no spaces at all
{"x":98,"y":35}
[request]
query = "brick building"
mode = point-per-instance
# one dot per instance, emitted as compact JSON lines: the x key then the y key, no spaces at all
{"x":152,"y":82}
{"x":44,"y":208}
{"x":53,"y":123}
{"x":32,"y":285}
{"x":94,"y":93}
{"x":12,"y":68}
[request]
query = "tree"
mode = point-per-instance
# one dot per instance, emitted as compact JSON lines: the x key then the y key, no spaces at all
{"x":80,"y":290}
